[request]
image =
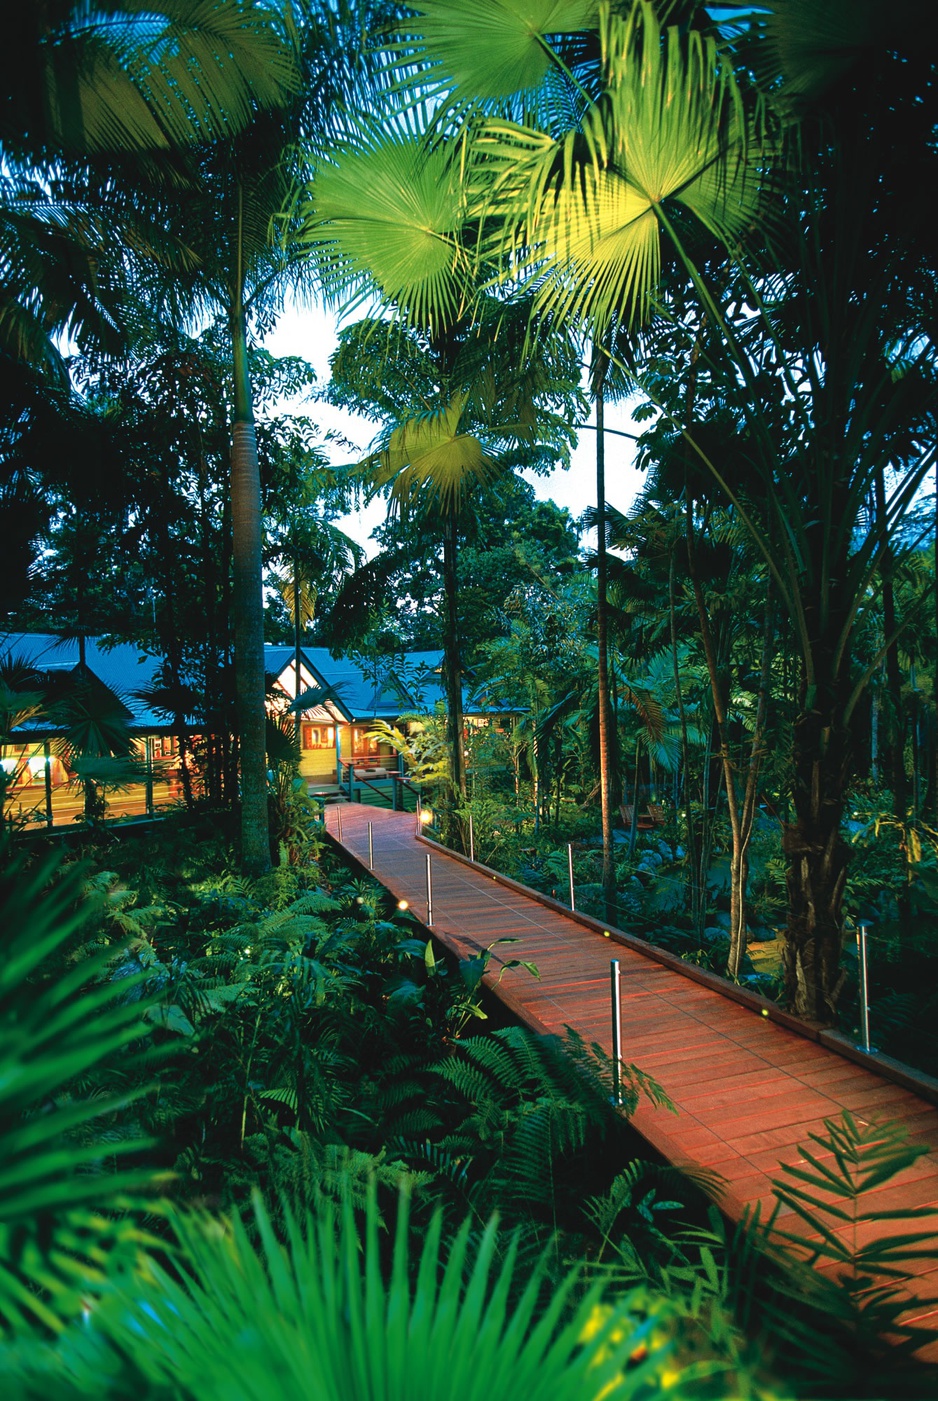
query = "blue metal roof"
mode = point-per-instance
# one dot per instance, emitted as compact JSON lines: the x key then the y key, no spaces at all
{"x":359,"y":692}
{"x":123,"y":668}
{"x":383,"y":689}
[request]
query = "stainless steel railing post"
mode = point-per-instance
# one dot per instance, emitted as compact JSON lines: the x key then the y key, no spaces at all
{"x":615,"y":990}
{"x":864,"y":986}
{"x":429,"y":891}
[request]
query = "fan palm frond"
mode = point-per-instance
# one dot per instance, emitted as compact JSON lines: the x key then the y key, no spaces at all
{"x":483,"y":49}
{"x":583,"y":214}
{"x":389,"y":212}
{"x":321,"y":1313}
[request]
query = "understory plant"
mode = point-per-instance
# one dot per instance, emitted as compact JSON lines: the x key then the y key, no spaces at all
{"x":263,"y":1053}
{"x":332,"y":1308}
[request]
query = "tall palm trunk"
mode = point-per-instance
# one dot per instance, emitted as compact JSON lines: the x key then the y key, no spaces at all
{"x":718,"y":698}
{"x":297,"y":639}
{"x":682,"y":770}
{"x":817,"y":861}
{"x":602,"y":673}
{"x":452,"y":659}
{"x":227,"y":720}
{"x":169,"y":643}
{"x":248,"y":606}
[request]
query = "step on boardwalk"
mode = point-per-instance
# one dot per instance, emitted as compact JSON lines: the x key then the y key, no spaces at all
{"x":748,"y":1090}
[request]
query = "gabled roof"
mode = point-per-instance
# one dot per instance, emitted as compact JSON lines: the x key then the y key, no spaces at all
{"x":123,"y":668}
{"x":391,"y":686}
{"x":277,"y":659}
{"x":358,"y":692}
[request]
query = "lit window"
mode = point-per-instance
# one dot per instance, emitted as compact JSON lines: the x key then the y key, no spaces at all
{"x":318,"y":736}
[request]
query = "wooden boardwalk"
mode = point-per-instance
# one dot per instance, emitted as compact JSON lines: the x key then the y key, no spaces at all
{"x":747,"y":1089}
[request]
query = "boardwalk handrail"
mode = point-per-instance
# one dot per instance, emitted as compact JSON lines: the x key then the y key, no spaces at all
{"x":747,"y":1094}
{"x":356,"y":774}
{"x":918,"y":1081}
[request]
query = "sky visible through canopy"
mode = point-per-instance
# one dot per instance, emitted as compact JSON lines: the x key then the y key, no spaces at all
{"x":311,"y":332}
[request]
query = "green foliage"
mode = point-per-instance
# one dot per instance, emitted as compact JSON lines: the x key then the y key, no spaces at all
{"x":75,"y":1052}
{"x":302,"y":1073}
{"x":295,"y":819}
{"x":832,"y":1303}
{"x":330,"y":1309}
{"x":537,"y":1124}
{"x":421,"y":740}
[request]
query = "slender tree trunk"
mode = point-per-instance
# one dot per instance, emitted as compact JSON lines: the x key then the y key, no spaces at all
{"x":559,"y":795}
{"x":173,"y":654}
{"x":874,"y":736}
{"x":894,"y":755}
{"x":213,"y":573}
{"x":227,"y":697}
{"x":934,"y":765}
{"x":534,"y":764}
{"x":246,"y":534}
{"x":452,"y":661}
{"x":297,"y":640}
{"x":633,"y":825}
{"x":817,"y":862}
{"x":739,"y":874}
{"x":717,"y":694}
{"x":916,"y":748}
{"x":602,"y":642}
{"x":690,"y":833}
{"x":822,"y":766}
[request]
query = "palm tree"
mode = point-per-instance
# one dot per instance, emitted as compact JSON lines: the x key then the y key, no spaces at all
{"x":844,"y":310}
{"x":409,"y":242}
{"x":214,"y":244}
{"x":242,"y":272}
{"x":650,"y":122}
{"x":472,"y":393}
{"x":88,"y":93}
{"x":126,"y":81}
{"x":312,"y":552}
{"x":832,"y":381}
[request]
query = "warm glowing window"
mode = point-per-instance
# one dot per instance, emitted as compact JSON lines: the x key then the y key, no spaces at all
{"x":364,"y":743}
{"x":318,"y":736}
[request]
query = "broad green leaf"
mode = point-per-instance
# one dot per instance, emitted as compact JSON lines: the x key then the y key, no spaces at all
{"x":388,"y":213}
{"x":582,"y":215}
{"x":133,"y":76}
{"x":494,"y":48}
{"x":430,"y":455}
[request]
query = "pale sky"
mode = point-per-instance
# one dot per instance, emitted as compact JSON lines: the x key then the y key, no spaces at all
{"x":311,"y":333}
